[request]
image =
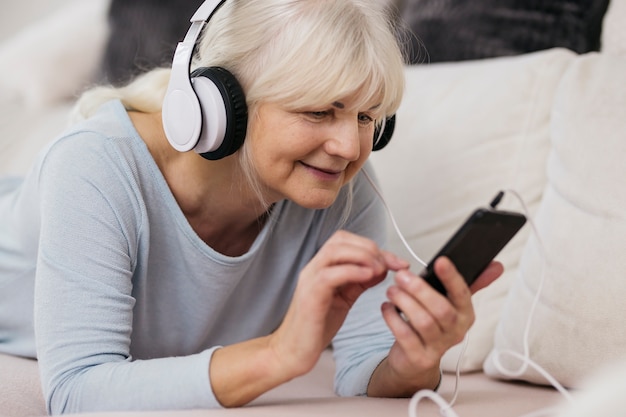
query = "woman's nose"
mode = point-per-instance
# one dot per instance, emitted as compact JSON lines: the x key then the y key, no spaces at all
{"x":345,"y":141}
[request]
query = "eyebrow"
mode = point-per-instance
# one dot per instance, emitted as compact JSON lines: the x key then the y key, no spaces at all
{"x":340,"y":105}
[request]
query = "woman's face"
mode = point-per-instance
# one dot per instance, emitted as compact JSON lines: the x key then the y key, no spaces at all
{"x":307,"y":155}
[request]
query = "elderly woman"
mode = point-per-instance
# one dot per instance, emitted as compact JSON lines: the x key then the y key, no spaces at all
{"x":199,"y":239}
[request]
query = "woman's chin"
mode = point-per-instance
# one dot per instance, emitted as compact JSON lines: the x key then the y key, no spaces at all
{"x":316,"y":201}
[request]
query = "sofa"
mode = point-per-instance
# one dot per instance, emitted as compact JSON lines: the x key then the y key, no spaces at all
{"x":548,"y":127}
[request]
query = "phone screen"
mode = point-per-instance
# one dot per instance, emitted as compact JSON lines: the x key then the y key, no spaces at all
{"x":476,"y":243}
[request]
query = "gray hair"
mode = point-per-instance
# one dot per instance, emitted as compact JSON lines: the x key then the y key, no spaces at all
{"x":297,"y":53}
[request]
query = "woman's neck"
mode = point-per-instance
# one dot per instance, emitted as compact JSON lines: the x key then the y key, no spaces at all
{"x":213,"y":195}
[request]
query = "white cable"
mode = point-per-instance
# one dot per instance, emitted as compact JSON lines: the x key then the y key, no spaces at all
{"x":525,"y":358}
{"x":446,"y":407}
{"x":393,"y":220}
{"x":536,"y":367}
{"x":457,"y":372}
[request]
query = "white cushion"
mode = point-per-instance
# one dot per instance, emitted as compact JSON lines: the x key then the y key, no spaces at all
{"x":578,"y":324}
{"x":614,"y":29}
{"x":17,"y":14}
{"x":465,"y":131}
{"x":25,"y":131}
{"x":53,"y":58}
{"x":601,"y":394}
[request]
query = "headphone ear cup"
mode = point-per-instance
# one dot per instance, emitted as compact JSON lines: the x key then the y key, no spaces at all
{"x":381,"y":139}
{"x":224,"y":112}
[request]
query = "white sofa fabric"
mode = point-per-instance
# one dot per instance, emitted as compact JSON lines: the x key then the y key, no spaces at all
{"x":536,"y":123}
{"x":579,"y":265}
{"x":464,"y":132}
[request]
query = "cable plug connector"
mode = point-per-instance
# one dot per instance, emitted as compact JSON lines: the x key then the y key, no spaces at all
{"x":496,"y":200}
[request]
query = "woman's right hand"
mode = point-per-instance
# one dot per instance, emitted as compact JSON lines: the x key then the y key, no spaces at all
{"x":330,"y":284}
{"x":344,"y":267}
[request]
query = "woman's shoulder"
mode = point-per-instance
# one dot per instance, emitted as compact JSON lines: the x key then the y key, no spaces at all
{"x":109,"y":127}
{"x":100,"y":144}
{"x":99,"y":158}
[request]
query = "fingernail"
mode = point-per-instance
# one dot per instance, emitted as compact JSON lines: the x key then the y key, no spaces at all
{"x":404,"y":277}
{"x":400,"y":260}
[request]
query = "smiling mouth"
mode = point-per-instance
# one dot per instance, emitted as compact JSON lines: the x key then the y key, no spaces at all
{"x":323,"y":170}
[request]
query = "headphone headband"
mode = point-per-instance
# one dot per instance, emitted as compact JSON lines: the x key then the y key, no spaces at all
{"x":206,"y":10}
{"x":180,"y":99}
{"x":206,"y":111}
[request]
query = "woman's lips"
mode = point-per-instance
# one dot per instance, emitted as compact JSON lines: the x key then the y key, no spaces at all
{"x":323,"y":173}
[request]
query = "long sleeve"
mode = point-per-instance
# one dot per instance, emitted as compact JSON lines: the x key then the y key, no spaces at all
{"x":90,"y":232}
{"x":130,"y":303}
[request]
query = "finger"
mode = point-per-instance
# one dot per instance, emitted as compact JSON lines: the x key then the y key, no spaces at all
{"x":332,"y":278}
{"x":394,"y":262}
{"x":418,"y":316}
{"x":434,"y":303}
{"x":339,"y":252}
{"x":388,"y":259}
{"x":457,"y":290}
{"x":343,"y":238}
{"x":493,"y":271}
{"x":405,"y":336}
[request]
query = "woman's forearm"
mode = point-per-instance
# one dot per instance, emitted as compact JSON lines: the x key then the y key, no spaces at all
{"x":386,"y":383}
{"x":241,"y":372}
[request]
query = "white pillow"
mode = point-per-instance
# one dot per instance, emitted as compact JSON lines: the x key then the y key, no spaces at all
{"x":578,"y":324}
{"x":21,"y":139}
{"x":466,"y":130}
{"x":17,"y":14}
{"x":614,"y":29}
{"x":53,"y":58}
{"x":602,"y":394}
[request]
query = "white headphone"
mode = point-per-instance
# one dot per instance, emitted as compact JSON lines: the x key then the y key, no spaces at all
{"x":206,"y":110}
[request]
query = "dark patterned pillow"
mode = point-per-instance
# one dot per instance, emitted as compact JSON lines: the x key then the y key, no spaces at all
{"x":456,"y":30}
{"x":143,"y":35}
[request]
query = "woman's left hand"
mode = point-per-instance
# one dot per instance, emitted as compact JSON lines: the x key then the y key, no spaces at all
{"x":432,"y":323}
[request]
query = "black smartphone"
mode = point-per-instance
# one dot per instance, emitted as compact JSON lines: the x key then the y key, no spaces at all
{"x":476,"y":243}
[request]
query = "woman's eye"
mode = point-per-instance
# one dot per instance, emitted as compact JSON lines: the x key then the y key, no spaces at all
{"x":317,"y":114}
{"x":365,"y":119}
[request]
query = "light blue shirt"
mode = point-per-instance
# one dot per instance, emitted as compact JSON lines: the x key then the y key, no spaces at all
{"x":129,"y":303}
